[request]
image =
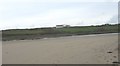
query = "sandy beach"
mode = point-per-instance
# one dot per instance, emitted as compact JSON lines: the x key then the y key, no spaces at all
{"x":86,"y":49}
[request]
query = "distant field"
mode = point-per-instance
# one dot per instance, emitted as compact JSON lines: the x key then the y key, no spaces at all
{"x":37,"y":33}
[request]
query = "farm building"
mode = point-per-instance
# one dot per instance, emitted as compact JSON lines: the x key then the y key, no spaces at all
{"x":62,"y":26}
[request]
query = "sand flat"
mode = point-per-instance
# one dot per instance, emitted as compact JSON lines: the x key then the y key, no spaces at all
{"x":87,"y":49}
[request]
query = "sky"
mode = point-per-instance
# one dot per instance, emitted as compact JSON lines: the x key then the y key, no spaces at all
{"x":22,"y":14}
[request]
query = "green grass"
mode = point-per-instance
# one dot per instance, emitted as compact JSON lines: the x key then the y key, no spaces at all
{"x":19,"y":34}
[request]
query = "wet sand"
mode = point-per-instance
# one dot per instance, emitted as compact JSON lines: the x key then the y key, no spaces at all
{"x":87,"y":49}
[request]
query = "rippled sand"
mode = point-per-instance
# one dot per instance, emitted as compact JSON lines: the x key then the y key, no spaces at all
{"x":87,"y":49}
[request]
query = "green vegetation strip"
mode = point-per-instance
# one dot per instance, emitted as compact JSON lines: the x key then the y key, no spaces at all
{"x":38,"y":33}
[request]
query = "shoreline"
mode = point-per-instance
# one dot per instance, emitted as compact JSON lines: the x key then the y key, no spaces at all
{"x":62,"y":37}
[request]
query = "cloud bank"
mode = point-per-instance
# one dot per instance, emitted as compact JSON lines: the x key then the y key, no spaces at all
{"x":18,"y":14}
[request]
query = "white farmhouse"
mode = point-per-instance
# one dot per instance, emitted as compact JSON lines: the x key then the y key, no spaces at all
{"x":59,"y":26}
{"x":62,"y":26}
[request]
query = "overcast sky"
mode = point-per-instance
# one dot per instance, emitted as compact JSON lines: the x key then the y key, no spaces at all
{"x":19,"y":14}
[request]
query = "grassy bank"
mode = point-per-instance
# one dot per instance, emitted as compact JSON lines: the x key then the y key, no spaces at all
{"x":38,"y":33}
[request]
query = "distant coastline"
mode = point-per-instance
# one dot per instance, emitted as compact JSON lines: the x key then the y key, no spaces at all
{"x":40,"y":33}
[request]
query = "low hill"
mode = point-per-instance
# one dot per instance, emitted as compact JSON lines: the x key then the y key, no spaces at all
{"x":38,"y":33}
